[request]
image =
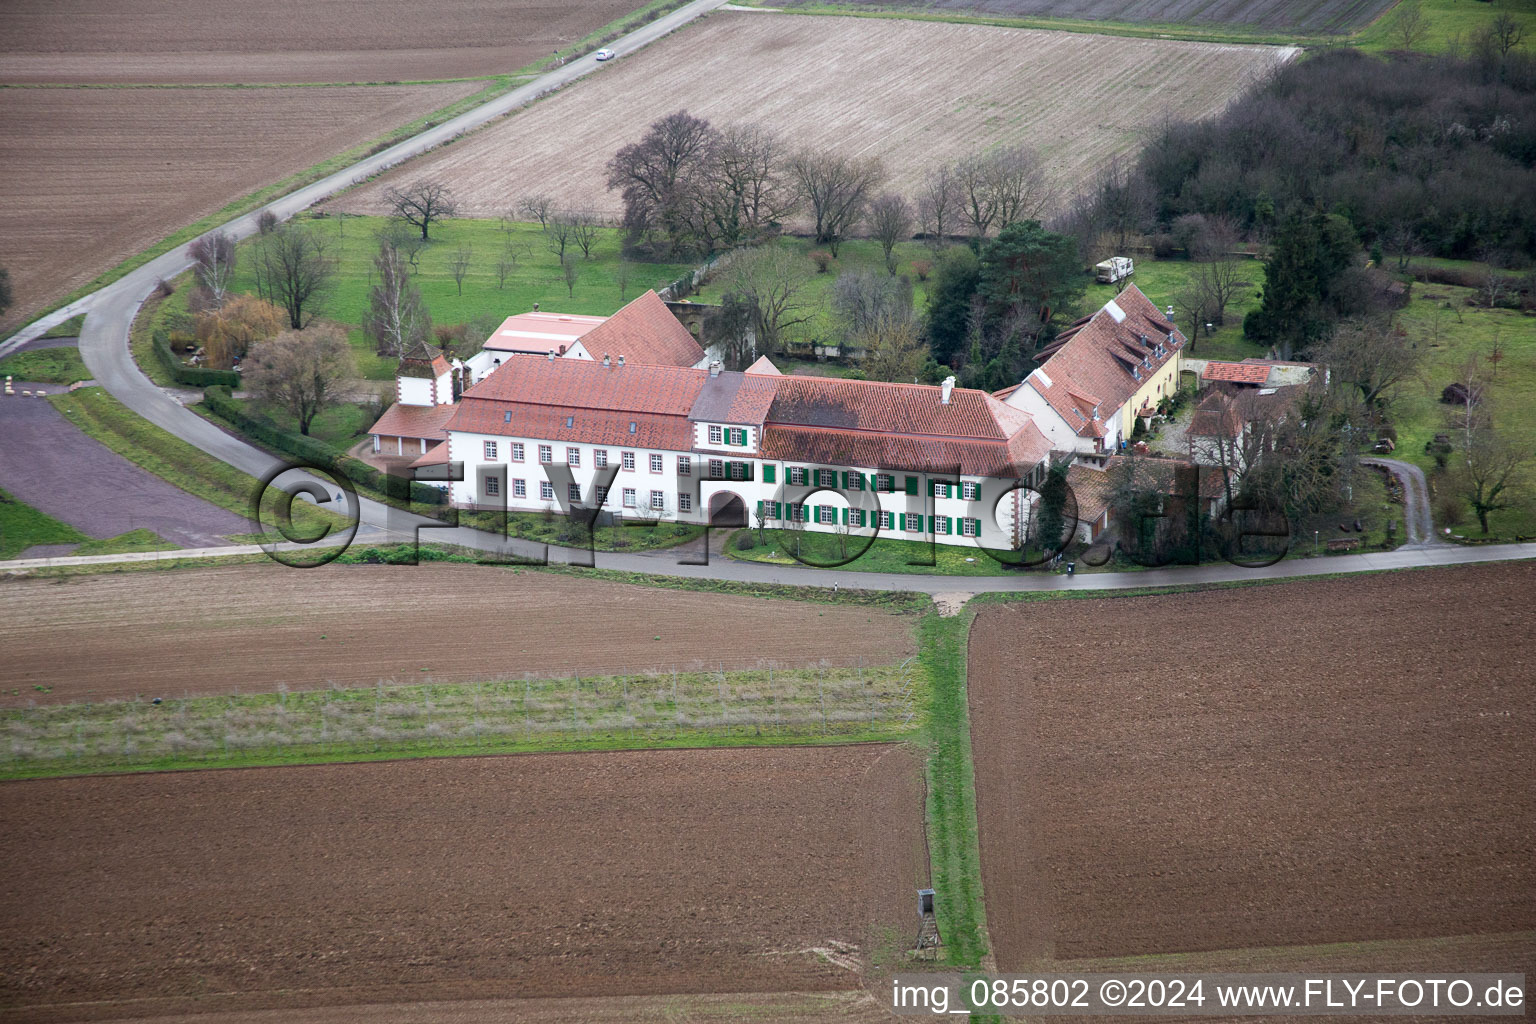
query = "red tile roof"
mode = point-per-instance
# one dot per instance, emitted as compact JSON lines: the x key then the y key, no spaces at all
{"x":646,"y":332}
{"x":1240,"y":373}
{"x":579,"y":384}
{"x":437,"y":455}
{"x":1089,"y":366}
{"x":1216,"y":416}
{"x":602,"y":427}
{"x":424,"y":421}
{"x":828,"y":421}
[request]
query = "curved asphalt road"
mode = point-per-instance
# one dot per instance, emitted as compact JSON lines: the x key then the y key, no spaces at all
{"x":104,"y":346}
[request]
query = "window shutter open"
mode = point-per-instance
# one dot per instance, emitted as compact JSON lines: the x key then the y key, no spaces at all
{"x":759,"y":510}
{"x":903,"y":520}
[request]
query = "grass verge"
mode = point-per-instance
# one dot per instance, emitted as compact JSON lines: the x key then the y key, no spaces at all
{"x":762,"y":707}
{"x":134,"y":540}
{"x":46,"y":366}
{"x":773,"y":547}
{"x":953,"y":849}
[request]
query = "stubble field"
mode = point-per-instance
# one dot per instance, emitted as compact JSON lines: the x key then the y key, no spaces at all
{"x":286,"y":40}
{"x":248,"y":629}
{"x":915,"y":94}
{"x":1330,"y":773}
{"x":507,"y":878}
{"x":89,"y":177}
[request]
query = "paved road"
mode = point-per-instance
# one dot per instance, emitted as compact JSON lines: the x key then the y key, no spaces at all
{"x":1416,"y":508}
{"x":110,"y":311}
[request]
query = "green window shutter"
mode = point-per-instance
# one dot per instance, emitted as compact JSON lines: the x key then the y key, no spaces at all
{"x":845,"y":479}
{"x":768,"y":474}
{"x":903,"y":521}
{"x":949,"y":524}
{"x":759,"y":510}
{"x":912,"y":485}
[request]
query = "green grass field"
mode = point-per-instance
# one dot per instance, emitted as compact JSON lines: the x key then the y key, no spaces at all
{"x":537,"y":277}
{"x":772,"y":547}
{"x":45,"y":366}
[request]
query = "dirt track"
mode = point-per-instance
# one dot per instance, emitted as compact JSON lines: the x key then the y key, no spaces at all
{"x":1327,"y":761}
{"x":249,"y":628}
{"x":515,"y":877}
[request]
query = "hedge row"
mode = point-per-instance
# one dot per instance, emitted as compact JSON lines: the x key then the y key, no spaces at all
{"x":191,"y":376}
{"x":364,"y":477}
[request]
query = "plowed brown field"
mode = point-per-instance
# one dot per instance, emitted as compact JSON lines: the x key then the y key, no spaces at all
{"x":516,"y":877}
{"x":89,"y":177}
{"x":249,"y":628}
{"x":915,"y":94}
{"x":1330,"y":761}
{"x":286,"y":40}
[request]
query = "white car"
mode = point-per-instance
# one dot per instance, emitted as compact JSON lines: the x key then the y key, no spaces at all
{"x":605,"y":54}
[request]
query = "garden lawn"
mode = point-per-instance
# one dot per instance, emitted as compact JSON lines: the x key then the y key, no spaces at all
{"x":1438,"y":316}
{"x":1162,"y":280}
{"x":537,"y":278}
{"x":46,"y":366}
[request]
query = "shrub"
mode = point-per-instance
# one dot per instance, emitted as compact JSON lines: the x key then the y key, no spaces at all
{"x":922,"y":268}
{"x":190,"y":376}
{"x":822,"y":259}
{"x":266,"y":222}
{"x":164,"y":288}
{"x":745,"y":542}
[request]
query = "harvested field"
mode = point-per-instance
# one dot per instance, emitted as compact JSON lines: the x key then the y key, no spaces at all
{"x":1262,"y":772}
{"x":93,"y":176}
{"x":1289,"y":16}
{"x":907,"y":92}
{"x":478,"y":878}
{"x":249,"y":628}
{"x":287,"y":41}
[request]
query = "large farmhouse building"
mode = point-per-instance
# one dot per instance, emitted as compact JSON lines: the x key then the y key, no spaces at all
{"x":629,"y":416}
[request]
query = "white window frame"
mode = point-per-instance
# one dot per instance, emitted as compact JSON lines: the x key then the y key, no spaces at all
{"x":520,"y":488}
{"x":629,"y":497}
{"x":885,"y":482}
{"x":492,"y":484}
{"x":797,"y":511}
{"x":684,"y":502}
{"x":517,"y":451}
{"x":716,"y":434}
{"x":885,"y":519}
{"x":716,"y":469}
{"x":627,"y":460}
{"x":573,"y":493}
{"x":685,"y":465}
{"x":658,"y":501}
{"x":546,"y":491}
{"x":797,"y":476}
{"x":657,"y":465}
{"x":602,"y":495}
{"x":970,"y":527}
{"x":738,"y":471}
{"x":490,"y":451}
{"x":573,"y":456}
{"x":826,"y":515}
{"x":970,"y":490}
{"x":546,"y":454}
{"x":600,"y":458}
{"x":914,"y":517}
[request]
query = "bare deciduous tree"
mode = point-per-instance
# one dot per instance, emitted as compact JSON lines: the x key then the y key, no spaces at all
{"x":572,"y":273}
{"x":1507,"y":33}
{"x":1368,"y":354}
{"x":459,"y":265}
{"x":1409,"y":25}
{"x":585,"y":229}
{"x":301,"y":370}
{"x":1020,"y":189}
{"x":536,"y":207}
{"x":746,"y":164}
{"x":560,"y":233}
{"x":938,"y":204}
{"x":890,"y":221}
{"x":653,"y":175}
{"x":893,"y":349}
{"x":397,"y":320}
{"x":861,"y":298}
{"x":1491,"y":472}
{"x":622,"y":276}
{"x":773,"y":280}
{"x":213,"y":263}
{"x":837,"y":189}
{"x":296,"y":267}
{"x":421,"y":203}
{"x":506,"y":263}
